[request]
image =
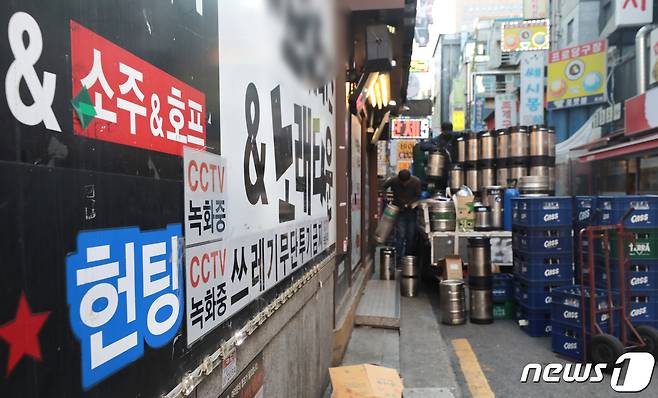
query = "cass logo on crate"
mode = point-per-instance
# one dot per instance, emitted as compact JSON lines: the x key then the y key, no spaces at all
{"x":583,"y":215}
{"x":551,"y":243}
{"x":570,"y":346}
{"x":570,"y":314}
{"x":551,"y":217}
{"x":639,"y":280}
{"x":548,"y":300}
{"x":636,"y":218}
{"x":638,"y":368}
{"x":552,"y":272}
{"x":638,"y":312}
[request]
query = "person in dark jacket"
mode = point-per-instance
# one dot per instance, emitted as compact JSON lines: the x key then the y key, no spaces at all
{"x":406,"y":191}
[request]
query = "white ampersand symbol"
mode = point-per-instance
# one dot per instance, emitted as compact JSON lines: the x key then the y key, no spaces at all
{"x":23,"y":68}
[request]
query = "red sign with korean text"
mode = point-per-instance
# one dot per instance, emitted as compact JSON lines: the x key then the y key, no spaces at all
{"x":135,"y":103}
{"x":582,"y":50}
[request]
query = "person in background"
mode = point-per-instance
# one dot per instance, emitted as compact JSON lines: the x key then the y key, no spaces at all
{"x":442,"y":142}
{"x":406,"y":191}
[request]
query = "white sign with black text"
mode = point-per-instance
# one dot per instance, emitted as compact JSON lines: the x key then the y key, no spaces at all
{"x":531,"y":105}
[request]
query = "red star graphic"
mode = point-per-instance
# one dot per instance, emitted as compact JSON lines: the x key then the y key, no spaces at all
{"x":22,"y":334}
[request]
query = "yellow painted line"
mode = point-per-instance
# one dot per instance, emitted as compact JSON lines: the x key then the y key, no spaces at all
{"x":477,"y":382}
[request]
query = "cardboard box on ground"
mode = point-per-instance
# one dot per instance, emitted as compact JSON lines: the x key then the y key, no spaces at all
{"x":365,"y":381}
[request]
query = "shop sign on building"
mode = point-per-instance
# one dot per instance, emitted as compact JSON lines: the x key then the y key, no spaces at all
{"x":382,"y":158}
{"x":633,"y":12}
{"x":535,"y":9}
{"x":577,"y":75}
{"x":477,"y":122}
{"x":531,"y":35}
{"x":405,"y":154}
{"x":531,"y":105}
{"x":607,"y":115}
{"x":506,"y":115}
{"x":458,"y":120}
{"x":640,"y":112}
{"x":419,"y":65}
{"x":653,"y":57}
{"x":406,"y":127}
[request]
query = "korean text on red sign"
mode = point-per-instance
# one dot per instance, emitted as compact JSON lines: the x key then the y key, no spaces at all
{"x":135,"y":103}
{"x":566,"y":54}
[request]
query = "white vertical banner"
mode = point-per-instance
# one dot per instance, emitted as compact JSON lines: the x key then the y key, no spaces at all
{"x":531,"y":104}
{"x":535,"y":9}
{"x":653,"y":57}
{"x":506,"y":114}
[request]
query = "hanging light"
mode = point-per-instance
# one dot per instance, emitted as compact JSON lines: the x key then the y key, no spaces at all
{"x":385,"y":87}
{"x":378,"y":93}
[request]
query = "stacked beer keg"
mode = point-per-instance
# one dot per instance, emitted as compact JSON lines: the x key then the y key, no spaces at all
{"x":480,"y":281}
{"x":542,"y":155}
{"x":517,"y":162}
{"x":458,"y":168}
{"x":472,"y":161}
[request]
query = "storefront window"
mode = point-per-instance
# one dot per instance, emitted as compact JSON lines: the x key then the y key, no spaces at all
{"x":612,"y":177}
{"x":648,"y":171}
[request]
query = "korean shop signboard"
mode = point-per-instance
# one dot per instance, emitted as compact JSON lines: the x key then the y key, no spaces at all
{"x":530,"y":35}
{"x":103,"y":114}
{"x":653,"y":57}
{"x":577,"y":75}
{"x":633,"y":12}
{"x":407,"y":127}
{"x":535,"y":9}
{"x":531,"y":105}
{"x":506,"y":115}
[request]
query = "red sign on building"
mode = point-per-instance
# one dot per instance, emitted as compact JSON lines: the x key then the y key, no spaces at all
{"x":134,"y":102}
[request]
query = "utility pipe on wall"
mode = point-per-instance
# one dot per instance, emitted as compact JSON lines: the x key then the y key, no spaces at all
{"x":641,"y":57}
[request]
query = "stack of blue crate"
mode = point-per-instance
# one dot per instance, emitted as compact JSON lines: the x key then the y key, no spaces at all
{"x":567,"y":318}
{"x":543,"y":259}
{"x":585,"y":215}
{"x":642,"y":272}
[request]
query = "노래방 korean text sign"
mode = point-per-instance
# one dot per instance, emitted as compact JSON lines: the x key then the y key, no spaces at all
{"x":577,"y":75}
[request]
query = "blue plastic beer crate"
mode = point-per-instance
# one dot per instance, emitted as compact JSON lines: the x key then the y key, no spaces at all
{"x":536,"y":323}
{"x":536,"y":295}
{"x":543,"y":267}
{"x":612,"y":209}
{"x":503,"y":289}
{"x":566,"y":305}
{"x":585,"y":210}
{"x":643,"y":308}
{"x":542,"y":239}
{"x":645,"y":246}
{"x":641,"y":276}
{"x":566,"y":339}
{"x":553,"y":211}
